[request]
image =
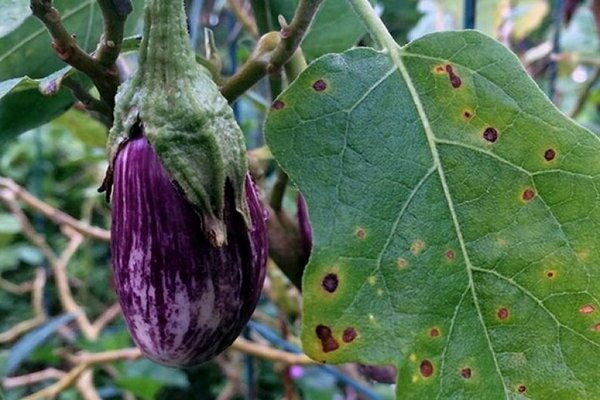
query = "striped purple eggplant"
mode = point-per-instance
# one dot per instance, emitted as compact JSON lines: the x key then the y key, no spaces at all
{"x":183,"y":298}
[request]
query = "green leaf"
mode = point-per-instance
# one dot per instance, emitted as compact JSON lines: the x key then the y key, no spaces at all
{"x":27,"y":51}
{"x":26,"y":54}
{"x":145,"y":378}
{"x":456,"y":219}
{"x":14,"y":12}
{"x":23,"y":106}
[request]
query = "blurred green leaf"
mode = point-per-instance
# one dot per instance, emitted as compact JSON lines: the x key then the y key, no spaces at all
{"x":145,"y":378}
{"x":28,"y":343}
{"x":89,"y":131}
{"x":26,"y":50}
{"x":9,"y":224}
{"x":26,"y":103}
{"x":14,"y":12}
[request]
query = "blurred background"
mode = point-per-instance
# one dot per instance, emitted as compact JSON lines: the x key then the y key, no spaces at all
{"x":57,"y":303}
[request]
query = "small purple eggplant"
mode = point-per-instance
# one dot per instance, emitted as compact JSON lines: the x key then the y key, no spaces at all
{"x":184,"y":298}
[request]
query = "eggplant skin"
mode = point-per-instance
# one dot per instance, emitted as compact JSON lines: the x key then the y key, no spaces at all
{"x":184,"y":300}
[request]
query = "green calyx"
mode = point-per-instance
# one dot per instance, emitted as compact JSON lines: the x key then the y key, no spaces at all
{"x":184,"y":116}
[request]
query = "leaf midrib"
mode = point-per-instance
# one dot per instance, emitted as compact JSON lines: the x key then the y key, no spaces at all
{"x":394,"y":54}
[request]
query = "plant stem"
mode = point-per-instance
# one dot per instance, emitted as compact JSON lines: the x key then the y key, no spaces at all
{"x":274,"y":49}
{"x":279,"y":190}
{"x":374,"y":25}
{"x":102,"y":71}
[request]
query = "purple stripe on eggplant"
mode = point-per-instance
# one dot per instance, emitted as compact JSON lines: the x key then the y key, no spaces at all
{"x":184,"y":300}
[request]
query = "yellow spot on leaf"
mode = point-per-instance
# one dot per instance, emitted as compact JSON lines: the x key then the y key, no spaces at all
{"x":372,"y":280}
{"x":417,"y":246}
{"x":402,"y":263}
{"x":380,"y":292}
{"x":412,"y":357}
{"x":583,"y":255}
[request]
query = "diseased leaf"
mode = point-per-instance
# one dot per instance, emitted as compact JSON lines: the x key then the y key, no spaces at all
{"x":456,"y":218}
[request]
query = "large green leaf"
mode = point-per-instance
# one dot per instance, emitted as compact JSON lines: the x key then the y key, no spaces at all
{"x":14,"y":12}
{"x":456,"y":218}
{"x":26,"y":54}
{"x":26,"y":103}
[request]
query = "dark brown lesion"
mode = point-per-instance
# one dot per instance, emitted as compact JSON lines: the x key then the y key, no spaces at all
{"x":426,"y":368}
{"x":349,"y":334}
{"x":455,"y":80}
{"x":330,"y":282}
{"x":325,"y":335}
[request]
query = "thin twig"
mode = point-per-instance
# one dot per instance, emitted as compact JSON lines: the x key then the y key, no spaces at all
{"x":85,"y":386}
{"x":37,"y":303}
{"x":241,"y":15}
{"x":57,"y":216}
{"x":100,"y":110}
{"x":114,"y":13}
{"x":63,"y":383}
{"x":103,"y":71}
{"x":9,"y":199}
{"x":585,"y":94}
{"x":273,"y":51}
{"x":30,"y":379}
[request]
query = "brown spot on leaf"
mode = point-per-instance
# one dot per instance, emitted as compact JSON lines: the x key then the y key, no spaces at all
{"x":450,"y":254}
{"x":328,"y":343}
{"x":277,"y":105}
{"x":549,"y":154}
{"x":466,"y":373}
{"x":596,"y":327}
{"x":503,"y":313}
{"x":454,"y":79}
{"x":319,"y":85}
{"x":550,"y":274}
{"x":528,"y":194}
{"x":467,"y":114}
{"x":330,"y":282}
{"x":349,"y":335}
{"x":434,"y":332}
{"x":490,"y":134}
{"x":426,"y":368}
{"x":587,"y":309}
{"x":401,"y":263}
{"x":521,"y":388}
{"x":360,"y":233}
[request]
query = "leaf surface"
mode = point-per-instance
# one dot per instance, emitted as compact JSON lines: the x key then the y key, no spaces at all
{"x":455,"y":213}
{"x":30,"y":93}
